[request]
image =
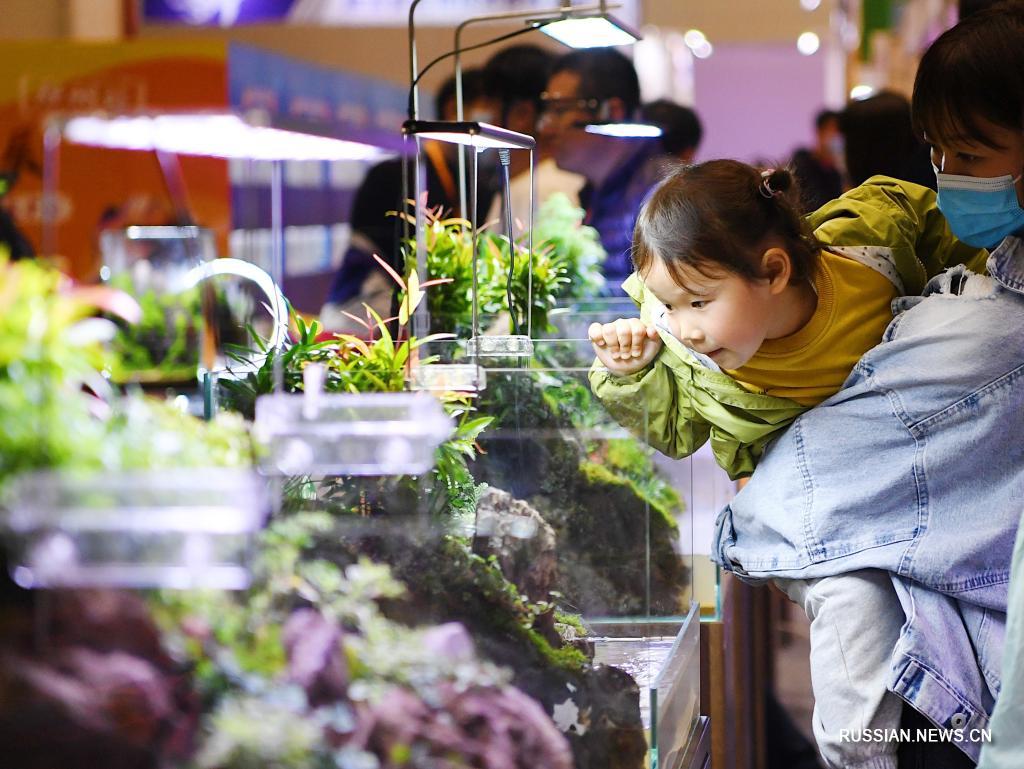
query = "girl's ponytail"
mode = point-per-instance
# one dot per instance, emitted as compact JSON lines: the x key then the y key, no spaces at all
{"x":775,"y":182}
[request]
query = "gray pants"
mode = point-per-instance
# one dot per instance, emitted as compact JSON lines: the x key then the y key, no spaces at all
{"x":855,"y":623}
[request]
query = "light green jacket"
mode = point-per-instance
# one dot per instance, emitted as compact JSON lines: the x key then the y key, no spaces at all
{"x":677,"y":404}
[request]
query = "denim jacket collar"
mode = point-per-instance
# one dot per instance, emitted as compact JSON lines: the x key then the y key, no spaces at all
{"x":1006,"y":263}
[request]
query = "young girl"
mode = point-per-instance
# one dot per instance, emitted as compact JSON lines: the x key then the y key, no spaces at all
{"x":763,"y":314}
{"x":749,"y":316}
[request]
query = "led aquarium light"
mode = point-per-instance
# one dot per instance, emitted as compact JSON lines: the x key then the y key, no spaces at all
{"x":471,"y":133}
{"x":624,"y":130}
{"x":598,"y":31}
{"x":224,"y":135}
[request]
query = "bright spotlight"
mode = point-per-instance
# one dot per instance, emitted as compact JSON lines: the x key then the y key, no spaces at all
{"x":702,"y":50}
{"x":861,"y":91}
{"x":694,"y":38}
{"x":808,"y":43}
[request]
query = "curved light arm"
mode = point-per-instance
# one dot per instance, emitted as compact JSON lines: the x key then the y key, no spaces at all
{"x":536,"y":13}
{"x":413,"y":65}
{"x":275,"y":299}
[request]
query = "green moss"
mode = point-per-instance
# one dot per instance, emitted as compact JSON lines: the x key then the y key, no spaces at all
{"x":630,"y":459}
{"x":598,"y":474}
{"x":612,"y":512}
{"x":618,"y":553}
{"x":489,"y":600}
{"x":566,"y":657}
{"x":573,"y":621}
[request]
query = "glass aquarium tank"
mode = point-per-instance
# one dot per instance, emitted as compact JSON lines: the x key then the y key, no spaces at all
{"x":151,"y":264}
{"x":337,"y":434}
{"x":167,"y":528}
{"x":186,"y":319}
{"x":620,"y":517}
{"x":557,"y":538}
{"x":571,"y":318}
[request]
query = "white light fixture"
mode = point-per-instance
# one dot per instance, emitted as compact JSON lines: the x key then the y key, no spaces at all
{"x":808,"y":43}
{"x":694,"y":37}
{"x":224,"y":135}
{"x":703,"y":50}
{"x":859,"y":92}
{"x":471,"y":133}
{"x":624,"y":130}
{"x":698,"y":44}
{"x":590,"y":32}
{"x":810,"y":5}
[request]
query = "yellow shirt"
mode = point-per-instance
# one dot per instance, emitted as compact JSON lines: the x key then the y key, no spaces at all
{"x":812,"y":364}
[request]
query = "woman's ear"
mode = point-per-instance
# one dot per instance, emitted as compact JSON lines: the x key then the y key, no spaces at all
{"x":777,"y":268}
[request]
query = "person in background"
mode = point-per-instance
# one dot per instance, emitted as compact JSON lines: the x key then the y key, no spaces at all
{"x":516,"y":77}
{"x":598,"y":85}
{"x":818,"y":169}
{"x":360,"y":279}
{"x":880,"y":139}
{"x":18,"y":156}
{"x":681,"y":127}
{"x":13,"y":242}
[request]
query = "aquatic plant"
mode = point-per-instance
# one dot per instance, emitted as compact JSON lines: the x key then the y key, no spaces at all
{"x":504,"y":290}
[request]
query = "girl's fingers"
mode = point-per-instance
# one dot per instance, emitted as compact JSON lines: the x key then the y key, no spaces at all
{"x":624,"y":331}
{"x":623,"y":339}
{"x":611,"y":339}
{"x":639,"y":337}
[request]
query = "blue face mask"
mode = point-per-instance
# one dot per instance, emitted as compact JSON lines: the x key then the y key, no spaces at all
{"x":980,"y":211}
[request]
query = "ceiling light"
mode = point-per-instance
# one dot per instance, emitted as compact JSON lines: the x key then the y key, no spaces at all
{"x":808,"y":43}
{"x":702,"y":50}
{"x":694,"y":37}
{"x":859,"y":92}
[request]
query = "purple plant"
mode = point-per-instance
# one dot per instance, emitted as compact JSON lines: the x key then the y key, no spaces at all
{"x":316,"y":661}
{"x":99,"y":691}
{"x":486,"y":728}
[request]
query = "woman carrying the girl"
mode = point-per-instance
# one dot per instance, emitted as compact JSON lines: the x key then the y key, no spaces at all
{"x":889,"y":509}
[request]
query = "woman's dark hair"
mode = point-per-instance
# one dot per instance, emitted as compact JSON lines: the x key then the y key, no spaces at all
{"x":879,"y":138}
{"x":718,"y":216}
{"x":681,"y":129}
{"x":973,"y":71}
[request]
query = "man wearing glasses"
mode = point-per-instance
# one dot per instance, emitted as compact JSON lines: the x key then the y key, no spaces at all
{"x":590,"y":87}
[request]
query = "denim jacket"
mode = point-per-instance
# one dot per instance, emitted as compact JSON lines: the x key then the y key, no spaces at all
{"x":915,"y":467}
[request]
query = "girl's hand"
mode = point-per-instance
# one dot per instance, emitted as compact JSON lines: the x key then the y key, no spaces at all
{"x":625,"y":346}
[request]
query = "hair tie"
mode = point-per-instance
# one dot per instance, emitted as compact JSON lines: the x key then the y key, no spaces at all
{"x":765,"y":188}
